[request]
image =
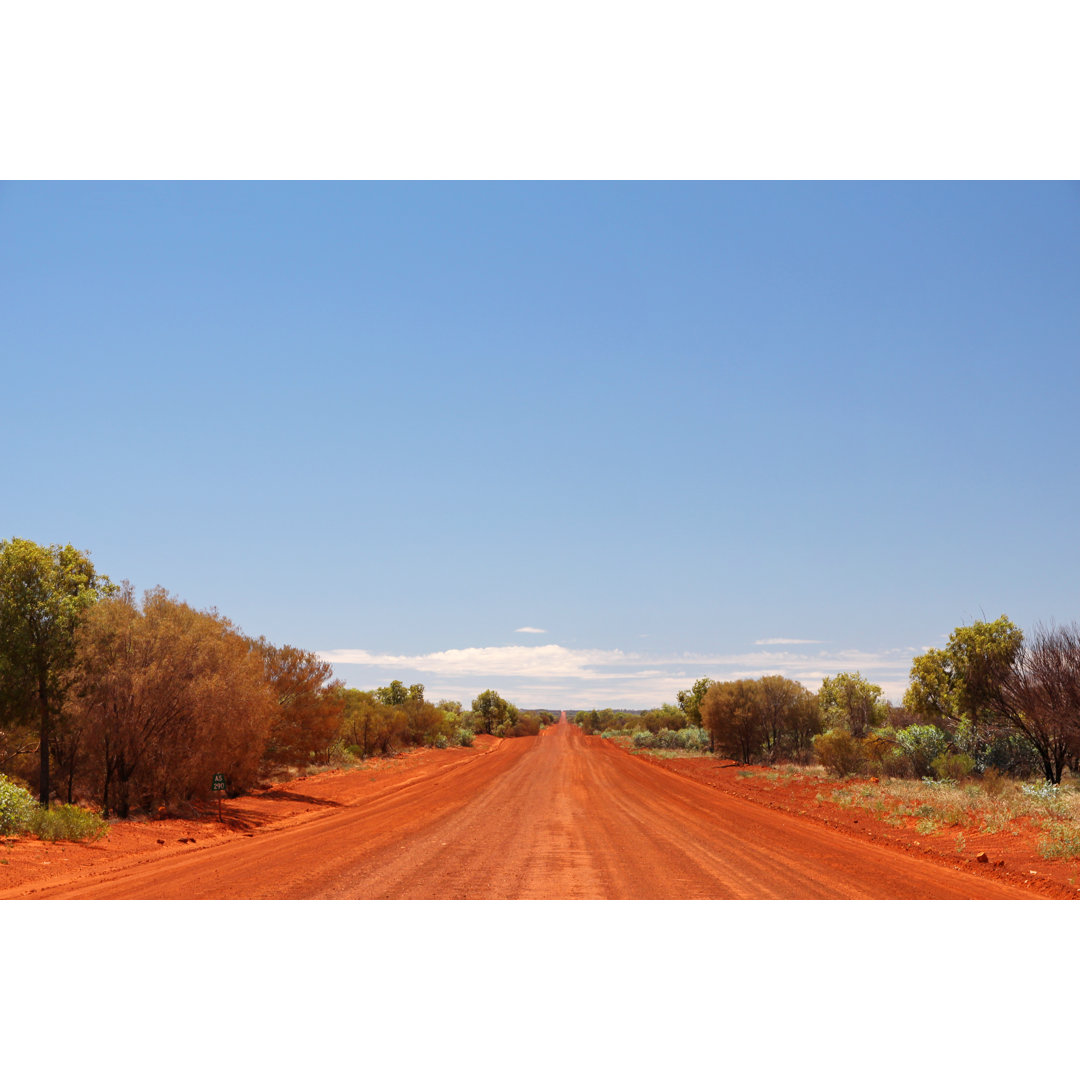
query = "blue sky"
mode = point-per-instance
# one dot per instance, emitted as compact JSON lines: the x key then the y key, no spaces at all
{"x":580,"y":442}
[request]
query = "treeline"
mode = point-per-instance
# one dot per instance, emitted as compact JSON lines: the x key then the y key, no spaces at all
{"x":137,"y":704}
{"x":382,"y":720}
{"x":989,"y":700}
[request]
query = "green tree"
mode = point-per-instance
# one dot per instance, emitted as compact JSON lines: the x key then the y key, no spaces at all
{"x":44,"y":595}
{"x":490,"y":711}
{"x":848,"y":700}
{"x":397,"y":693}
{"x":690,"y":701}
{"x":963,"y":681}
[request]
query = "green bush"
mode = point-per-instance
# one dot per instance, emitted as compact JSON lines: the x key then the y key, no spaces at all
{"x":67,"y":823}
{"x":16,"y":807}
{"x":465,"y":736}
{"x":692,"y":738}
{"x":921,"y":744}
{"x":1043,"y":790}
{"x":839,"y":751}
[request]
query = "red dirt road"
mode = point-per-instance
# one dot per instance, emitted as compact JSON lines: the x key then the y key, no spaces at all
{"x":556,"y":816}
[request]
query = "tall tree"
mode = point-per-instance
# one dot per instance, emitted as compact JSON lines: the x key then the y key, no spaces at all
{"x":44,"y":595}
{"x":491,"y":711}
{"x":732,"y":713}
{"x":168,"y":696}
{"x":690,"y":701}
{"x":310,"y":708}
{"x":368,"y":723}
{"x":963,"y":681}
{"x":848,"y":700}
{"x":398,"y":694}
{"x":1040,"y":695}
{"x":789,"y":716}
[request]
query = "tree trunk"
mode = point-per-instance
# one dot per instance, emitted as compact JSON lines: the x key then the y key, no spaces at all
{"x":43,"y":745}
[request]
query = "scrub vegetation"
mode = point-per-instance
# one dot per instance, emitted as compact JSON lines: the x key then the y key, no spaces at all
{"x":987,"y":738}
{"x":134,"y":705}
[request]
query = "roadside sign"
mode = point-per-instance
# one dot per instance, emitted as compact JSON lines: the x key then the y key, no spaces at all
{"x":219,"y":787}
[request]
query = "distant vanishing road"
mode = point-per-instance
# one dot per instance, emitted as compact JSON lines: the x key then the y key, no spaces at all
{"x":555,"y":816}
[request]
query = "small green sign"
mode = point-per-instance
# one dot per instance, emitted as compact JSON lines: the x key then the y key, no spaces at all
{"x":219,"y":781}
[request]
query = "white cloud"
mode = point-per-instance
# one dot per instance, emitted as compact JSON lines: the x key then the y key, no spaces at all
{"x":555,"y":676}
{"x":529,"y":630}
{"x":788,"y":641}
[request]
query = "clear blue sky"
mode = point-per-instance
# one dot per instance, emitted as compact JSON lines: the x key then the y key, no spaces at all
{"x":682,"y":429}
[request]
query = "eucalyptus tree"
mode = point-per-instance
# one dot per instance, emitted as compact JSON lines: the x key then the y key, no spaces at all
{"x":45,"y":594}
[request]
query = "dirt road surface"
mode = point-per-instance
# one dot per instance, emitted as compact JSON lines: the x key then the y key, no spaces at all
{"x":555,"y":816}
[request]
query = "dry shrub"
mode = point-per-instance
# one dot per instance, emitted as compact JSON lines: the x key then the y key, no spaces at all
{"x":840,"y":752}
{"x":993,"y":782}
{"x":952,"y":766}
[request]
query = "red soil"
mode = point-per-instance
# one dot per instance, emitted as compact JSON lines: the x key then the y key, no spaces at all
{"x":560,"y":815}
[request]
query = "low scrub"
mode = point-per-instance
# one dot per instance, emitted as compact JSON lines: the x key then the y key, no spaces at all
{"x":952,"y":767}
{"x":1061,"y":842}
{"x":21,"y":814}
{"x":67,"y":823}
{"x":691,"y":738}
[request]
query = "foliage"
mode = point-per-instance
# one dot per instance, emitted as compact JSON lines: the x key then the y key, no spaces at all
{"x":368,"y":724}
{"x":398,"y":694}
{"x":309,"y":709}
{"x":952,"y":767}
{"x":45,"y":594}
{"x":167,"y":696}
{"x":993,"y":782}
{"x":772,"y":716}
{"x":839,"y":751}
{"x":1044,"y":790}
{"x":490,"y":712}
{"x":692,"y":738}
{"x":850,"y":701}
{"x":732,"y":713}
{"x":16,"y":807}
{"x":789,"y":717}
{"x":525,"y":723}
{"x":1040,"y":695}
{"x":426,"y":724}
{"x":964,"y":679}
{"x":1061,"y":842}
{"x":686,"y":738}
{"x":20,"y":813}
{"x":67,"y":822}
{"x":465,"y":736}
{"x":920,"y":745}
{"x":690,"y":701}
{"x":884,"y":754}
